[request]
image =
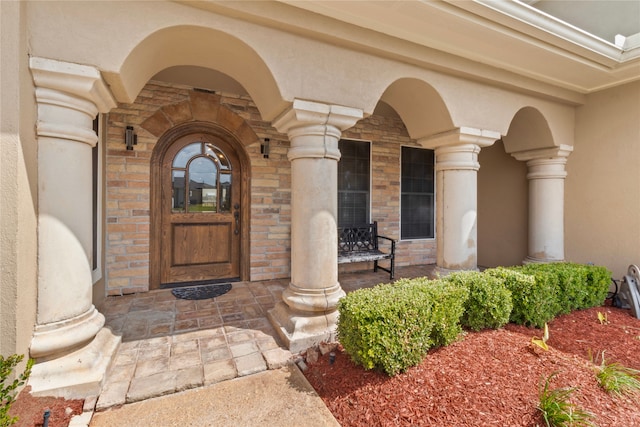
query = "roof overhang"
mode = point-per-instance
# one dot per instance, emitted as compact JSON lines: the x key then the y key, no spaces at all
{"x":502,"y":42}
{"x":509,"y":35}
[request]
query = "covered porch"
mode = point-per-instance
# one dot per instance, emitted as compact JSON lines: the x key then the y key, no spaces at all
{"x":169,"y":344}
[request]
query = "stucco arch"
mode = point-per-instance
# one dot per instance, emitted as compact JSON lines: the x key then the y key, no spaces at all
{"x":420,"y":106}
{"x":529,"y":130}
{"x":203,"y":47}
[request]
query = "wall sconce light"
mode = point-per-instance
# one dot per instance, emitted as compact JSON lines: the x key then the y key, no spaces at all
{"x":264,"y":148}
{"x":130,"y":138}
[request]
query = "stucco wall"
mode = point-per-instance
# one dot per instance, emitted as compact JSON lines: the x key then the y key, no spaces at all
{"x":502,"y":208}
{"x":602,"y":194}
{"x":18,"y":224}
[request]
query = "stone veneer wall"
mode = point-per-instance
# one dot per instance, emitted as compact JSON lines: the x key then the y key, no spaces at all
{"x":128,"y":181}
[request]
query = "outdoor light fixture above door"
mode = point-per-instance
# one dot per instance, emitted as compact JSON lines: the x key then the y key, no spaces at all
{"x":130,"y":138}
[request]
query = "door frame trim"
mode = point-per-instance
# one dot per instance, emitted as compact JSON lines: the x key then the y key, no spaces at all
{"x":159,"y":151}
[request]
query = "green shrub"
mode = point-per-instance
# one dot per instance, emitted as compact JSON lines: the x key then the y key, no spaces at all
{"x":598,"y":282}
{"x":534,"y":297}
{"x":578,"y":286}
{"x":392,"y":327}
{"x":386,"y":327}
{"x":572,"y":279}
{"x":448,"y":306}
{"x":557,"y":278}
{"x":489,"y":304}
{"x":8,"y":389}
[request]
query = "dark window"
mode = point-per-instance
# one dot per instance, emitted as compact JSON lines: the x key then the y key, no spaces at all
{"x":354,"y":182}
{"x":417,"y":190}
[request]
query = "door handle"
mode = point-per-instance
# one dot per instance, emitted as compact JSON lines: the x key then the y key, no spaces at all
{"x":236,"y":215}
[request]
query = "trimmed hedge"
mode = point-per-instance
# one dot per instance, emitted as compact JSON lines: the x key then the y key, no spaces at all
{"x":392,"y":327}
{"x":598,"y":282}
{"x":534,"y":298}
{"x":448,"y":306}
{"x":578,"y":286}
{"x":489,"y":304}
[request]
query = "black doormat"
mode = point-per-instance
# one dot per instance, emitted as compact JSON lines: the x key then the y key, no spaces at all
{"x":202,"y":291}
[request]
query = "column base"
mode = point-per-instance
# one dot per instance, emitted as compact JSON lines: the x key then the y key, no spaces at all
{"x":53,"y":339}
{"x":301,"y":330}
{"x":78,"y":374}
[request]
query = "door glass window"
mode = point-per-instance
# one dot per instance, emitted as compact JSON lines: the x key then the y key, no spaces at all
{"x":203,"y":189}
{"x":201,"y":179}
{"x":182,"y":158}
{"x":225,"y":192}
{"x":178,"y":191}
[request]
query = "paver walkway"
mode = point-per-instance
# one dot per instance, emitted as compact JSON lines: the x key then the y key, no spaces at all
{"x":170,"y":345}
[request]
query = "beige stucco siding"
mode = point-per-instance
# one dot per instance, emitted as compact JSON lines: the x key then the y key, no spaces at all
{"x":18,"y":178}
{"x":502,"y":208}
{"x":603,"y":184}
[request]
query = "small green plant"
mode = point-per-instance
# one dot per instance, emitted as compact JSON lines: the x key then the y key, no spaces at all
{"x":542,"y":342}
{"x":617,"y":379}
{"x":557,"y":410}
{"x":8,"y":389}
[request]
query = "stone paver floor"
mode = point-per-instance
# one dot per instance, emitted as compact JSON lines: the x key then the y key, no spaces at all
{"x":169,"y":344}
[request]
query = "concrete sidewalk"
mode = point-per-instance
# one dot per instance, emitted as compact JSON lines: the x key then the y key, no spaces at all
{"x":280,"y":397}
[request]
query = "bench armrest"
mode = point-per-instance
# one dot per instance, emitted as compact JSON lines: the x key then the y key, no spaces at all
{"x":385,"y":237}
{"x":393,"y":243}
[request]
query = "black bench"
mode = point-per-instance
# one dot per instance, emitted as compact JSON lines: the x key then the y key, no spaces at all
{"x":359,"y":243}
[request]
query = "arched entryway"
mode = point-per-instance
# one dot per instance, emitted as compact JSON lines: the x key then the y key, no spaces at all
{"x":199,"y":206}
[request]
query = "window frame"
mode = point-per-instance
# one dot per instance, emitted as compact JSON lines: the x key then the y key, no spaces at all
{"x":433,"y":195}
{"x":97,"y":172}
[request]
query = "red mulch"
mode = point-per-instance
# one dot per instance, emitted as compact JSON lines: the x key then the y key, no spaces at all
{"x":30,"y":410}
{"x":489,"y":378}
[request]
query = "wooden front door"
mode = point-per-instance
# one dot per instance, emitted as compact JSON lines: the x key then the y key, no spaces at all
{"x":200,"y":218}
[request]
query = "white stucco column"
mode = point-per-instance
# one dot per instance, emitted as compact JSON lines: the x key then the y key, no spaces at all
{"x":457,"y":195}
{"x":308,"y":312}
{"x":546,"y":202}
{"x":71,"y":354}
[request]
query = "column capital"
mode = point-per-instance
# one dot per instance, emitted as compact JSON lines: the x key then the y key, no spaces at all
{"x":314,"y":129}
{"x":457,"y":157}
{"x":69,"y":97}
{"x":461,"y":135}
{"x":547,"y":168}
{"x":561,"y":151}
{"x":82,"y":81}
{"x":310,"y":114}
